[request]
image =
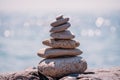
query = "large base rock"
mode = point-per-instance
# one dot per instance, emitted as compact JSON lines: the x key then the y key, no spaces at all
{"x":59,"y":67}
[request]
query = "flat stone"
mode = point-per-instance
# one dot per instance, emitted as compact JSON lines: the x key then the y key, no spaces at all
{"x":59,"y":22}
{"x":59,"y":67}
{"x":53,"y":53}
{"x":62,"y":35}
{"x":61,"y":43}
{"x":59,"y":17}
{"x":60,"y":28}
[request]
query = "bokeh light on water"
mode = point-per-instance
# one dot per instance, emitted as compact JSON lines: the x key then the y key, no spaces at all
{"x":21,"y":34}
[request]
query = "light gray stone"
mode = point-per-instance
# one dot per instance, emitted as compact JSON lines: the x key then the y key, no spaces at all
{"x":53,"y":53}
{"x":62,"y":35}
{"x":60,"y":28}
{"x":61,"y":43}
{"x":59,"y":22}
{"x":59,"y":67}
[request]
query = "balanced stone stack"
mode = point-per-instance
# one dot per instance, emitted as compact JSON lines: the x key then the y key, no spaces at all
{"x":61,"y":57}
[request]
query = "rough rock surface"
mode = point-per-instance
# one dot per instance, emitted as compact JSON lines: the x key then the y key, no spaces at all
{"x":61,"y":43}
{"x":62,"y":66}
{"x":90,"y":74}
{"x":96,"y":74}
{"x":60,"y":28}
{"x":59,"y":22}
{"x":52,"y":53}
{"x":62,"y":35}
{"x":28,"y":74}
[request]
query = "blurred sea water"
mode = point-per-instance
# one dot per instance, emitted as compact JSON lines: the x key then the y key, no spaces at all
{"x":21,"y":36}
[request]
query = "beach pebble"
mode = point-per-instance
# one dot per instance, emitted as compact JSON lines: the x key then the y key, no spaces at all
{"x":59,"y":22}
{"x":62,"y":35}
{"x":60,"y":28}
{"x":59,"y":67}
{"x":53,"y":53}
{"x":61,"y":43}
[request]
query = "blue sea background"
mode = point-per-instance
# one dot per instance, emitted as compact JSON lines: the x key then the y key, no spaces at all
{"x":21,"y":36}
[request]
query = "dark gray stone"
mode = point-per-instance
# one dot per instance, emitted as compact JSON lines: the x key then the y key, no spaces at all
{"x":59,"y":22}
{"x":60,"y":28}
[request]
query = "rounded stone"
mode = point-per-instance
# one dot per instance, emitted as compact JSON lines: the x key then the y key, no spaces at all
{"x":59,"y":22}
{"x":60,"y":28}
{"x":59,"y":67}
{"x":59,"y":17}
{"x":61,"y":43}
{"x":62,"y":35}
{"x":54,"y":53}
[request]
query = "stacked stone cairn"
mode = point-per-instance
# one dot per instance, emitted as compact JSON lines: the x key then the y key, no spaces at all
{"x":61,"y":57}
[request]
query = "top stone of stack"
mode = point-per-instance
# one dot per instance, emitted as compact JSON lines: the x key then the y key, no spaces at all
{"x":59,"y":21}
